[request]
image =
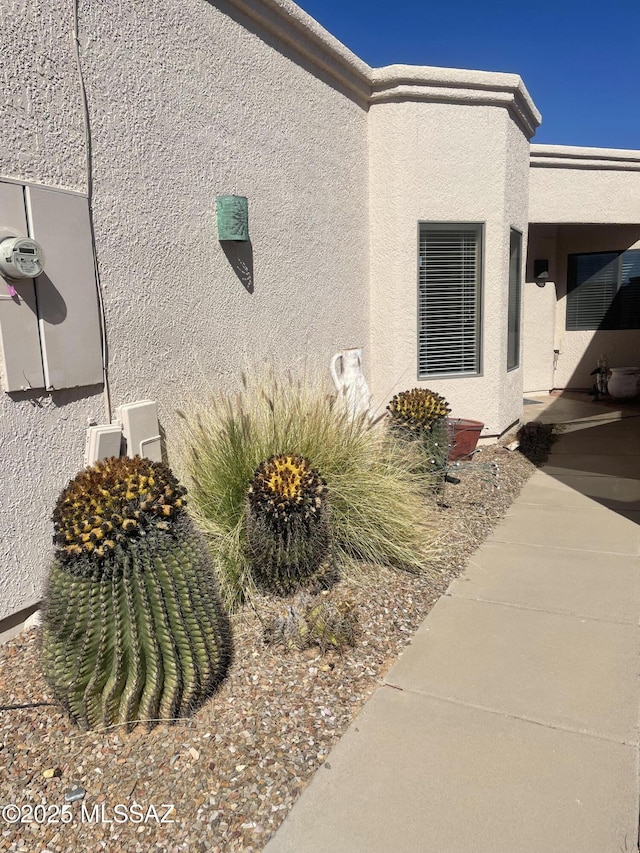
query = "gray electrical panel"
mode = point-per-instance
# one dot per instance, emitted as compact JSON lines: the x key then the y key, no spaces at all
{"x":21,"y":359}
{"x":66,"y":291}
{"x":50,"y":331}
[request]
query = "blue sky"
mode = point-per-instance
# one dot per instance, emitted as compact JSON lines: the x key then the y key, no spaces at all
{"x":580,"y":61}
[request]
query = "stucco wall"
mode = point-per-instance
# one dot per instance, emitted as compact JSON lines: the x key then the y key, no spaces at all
{"x":42,"y":446}
{"x":186,"y":101}
{"x":461,"y":161}
{"x":579,"y":350}
{"x":211,"y":107}
{"x":580,"y":200}
{"x":539,"y":313}
{"x":593,"y":185}
{"x":516,"y":202}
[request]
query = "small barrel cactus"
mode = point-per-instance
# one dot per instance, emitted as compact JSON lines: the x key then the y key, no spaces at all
{"x":133,"y":628}
{"x":332,"y":623}
{"x":323,"y":621}
{"x":417,"y":409}
{"x":287,"y":523}
{"x":421,"y":415}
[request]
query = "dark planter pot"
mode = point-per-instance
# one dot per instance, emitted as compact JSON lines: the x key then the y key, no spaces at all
{"x":464,"y":435}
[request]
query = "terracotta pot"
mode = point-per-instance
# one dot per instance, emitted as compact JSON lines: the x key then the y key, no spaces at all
{"x":464,"y":437}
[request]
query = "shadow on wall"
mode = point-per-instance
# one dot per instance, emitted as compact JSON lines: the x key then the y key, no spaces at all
{"x":41,"y":399}
{"x":52,"y":308}
{"x":240,"y":256}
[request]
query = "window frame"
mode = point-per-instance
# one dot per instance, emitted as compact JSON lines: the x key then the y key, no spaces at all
{"x":518,"y":316}
{"x":443,"y":226}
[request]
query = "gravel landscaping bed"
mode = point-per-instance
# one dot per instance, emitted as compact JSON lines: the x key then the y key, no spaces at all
{"x":233,"y":771}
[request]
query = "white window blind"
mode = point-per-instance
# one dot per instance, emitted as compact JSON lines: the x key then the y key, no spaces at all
{"x":449,"y":290}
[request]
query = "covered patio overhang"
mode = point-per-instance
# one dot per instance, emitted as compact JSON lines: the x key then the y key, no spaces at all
{"x":582,"y":202}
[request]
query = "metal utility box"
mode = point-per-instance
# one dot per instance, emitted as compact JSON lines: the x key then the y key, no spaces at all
{"x":67,"y":292}
{"x":50,"y":330}
{"x":21,"y":363}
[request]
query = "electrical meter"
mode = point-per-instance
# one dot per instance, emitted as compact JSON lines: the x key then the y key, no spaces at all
{"x":21,"y":257}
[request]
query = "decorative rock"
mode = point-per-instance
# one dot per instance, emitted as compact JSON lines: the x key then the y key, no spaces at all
{"x":74,"y":794}
{"x":51,"y":772}
{"x":33,"y":621}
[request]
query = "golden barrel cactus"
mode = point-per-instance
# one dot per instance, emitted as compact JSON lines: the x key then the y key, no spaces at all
{"x":417,"y":409}
{"x":421,"y":415}
{"x":287,"y":523}
{"x":133,"y":628}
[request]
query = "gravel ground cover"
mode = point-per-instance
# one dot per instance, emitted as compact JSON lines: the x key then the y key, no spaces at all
{"x":231,"y":773}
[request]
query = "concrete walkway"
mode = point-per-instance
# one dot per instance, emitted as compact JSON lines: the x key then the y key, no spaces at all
{"x":510,"y":723}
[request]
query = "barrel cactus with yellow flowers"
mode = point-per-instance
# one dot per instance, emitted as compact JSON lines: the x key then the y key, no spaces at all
{"x":287,"y":523}
{"x":421,"y":415}
{"x":133,"y":627}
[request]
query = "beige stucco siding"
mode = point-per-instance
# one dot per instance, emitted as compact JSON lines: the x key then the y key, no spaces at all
{"x":589,"y":185}
{"x":186,"y":101}
{"x":539,"y":313}
{"x":42,"y":436}
{"x":220,"y":111}
{"x":437,"y":162}
{"x":516,"y":200}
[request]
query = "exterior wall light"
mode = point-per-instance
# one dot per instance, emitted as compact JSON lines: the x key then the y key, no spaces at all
{"x":541,"y":271}
{"x":233,"y":217}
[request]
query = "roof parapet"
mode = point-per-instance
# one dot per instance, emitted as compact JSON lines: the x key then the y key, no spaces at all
{"x":291,"y":25}
{"x":574,"y":157}
{"x":457,"y":85}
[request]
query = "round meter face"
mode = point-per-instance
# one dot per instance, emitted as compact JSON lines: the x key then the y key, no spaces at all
{"x":21,"y":257}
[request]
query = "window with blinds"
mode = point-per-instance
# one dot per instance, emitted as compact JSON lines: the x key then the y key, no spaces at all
{"x":603,"y":290}
{"x":513,"y":321}
{"x":449,"y":299}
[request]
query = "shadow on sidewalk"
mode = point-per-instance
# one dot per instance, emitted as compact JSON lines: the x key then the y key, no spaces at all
{"x":597,"y":452}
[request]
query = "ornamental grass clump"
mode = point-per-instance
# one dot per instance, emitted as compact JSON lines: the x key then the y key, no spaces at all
{"x":287,"y":523}
{"x":374,"y":489}
{"x":420,"y":415}
{"x":133,"y":627}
